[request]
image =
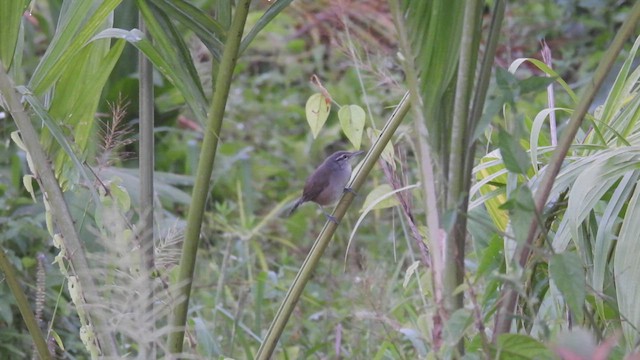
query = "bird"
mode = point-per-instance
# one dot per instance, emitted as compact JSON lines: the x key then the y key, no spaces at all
{"x":327,"y":183}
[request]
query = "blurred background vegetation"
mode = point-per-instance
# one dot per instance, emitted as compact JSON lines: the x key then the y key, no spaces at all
{"x":369,"y":306}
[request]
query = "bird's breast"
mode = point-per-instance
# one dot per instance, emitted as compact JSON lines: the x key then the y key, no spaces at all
{"x":333,"y":191}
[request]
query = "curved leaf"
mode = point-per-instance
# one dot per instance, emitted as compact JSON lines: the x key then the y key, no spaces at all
{"x":208,"y":30}
{"x":169,"y":44}
{"x":627,"y":269}
{"x":70,"y":37}
{"x":268,"y":15}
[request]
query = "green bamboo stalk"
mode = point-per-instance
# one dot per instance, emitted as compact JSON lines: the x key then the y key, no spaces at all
{"x":425,"y":162}
{"x":146,"y":115}
{"x":508,"y":302}
{"x":75,"y":253}
{"x":203,"y":175}
{"x":304,"y":274}
{"x":456,"y":193}
{"x":23,"y":305}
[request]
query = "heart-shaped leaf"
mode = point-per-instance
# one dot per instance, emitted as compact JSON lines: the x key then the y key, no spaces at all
{"x":317,"y":111}
{"x":352,"y":122}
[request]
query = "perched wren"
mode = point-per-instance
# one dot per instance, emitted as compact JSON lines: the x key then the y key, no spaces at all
{"x":327,"y":183}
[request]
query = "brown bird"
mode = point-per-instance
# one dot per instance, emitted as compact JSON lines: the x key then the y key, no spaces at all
{"x":327,"y":183}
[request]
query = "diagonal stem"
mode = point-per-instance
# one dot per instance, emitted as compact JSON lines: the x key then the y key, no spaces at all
{"x":74,"y":249}
{"x":306,"y":270}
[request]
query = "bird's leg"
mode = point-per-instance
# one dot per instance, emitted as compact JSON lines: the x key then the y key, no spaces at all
{"x":329,"y":216}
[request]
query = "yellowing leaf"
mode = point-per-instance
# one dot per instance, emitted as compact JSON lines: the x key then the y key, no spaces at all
{"x":48,"y":218}
{"x":352,"y":123}
{"x":15,"y":136}
{"x":493,"y":204}
{"x":58,"y":339}
{"x":379,"y":198}
{"x":409,"y":273}
{"x":317,"y":111}
{"x":28,"y":184}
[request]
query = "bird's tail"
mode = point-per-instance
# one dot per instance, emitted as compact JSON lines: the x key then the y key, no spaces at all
{"x":295,"y":206}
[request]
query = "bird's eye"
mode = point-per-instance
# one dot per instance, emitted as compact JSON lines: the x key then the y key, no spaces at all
{"x":342,"y":157}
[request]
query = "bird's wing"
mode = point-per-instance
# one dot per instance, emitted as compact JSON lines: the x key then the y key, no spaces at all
{"x":315,"y":184}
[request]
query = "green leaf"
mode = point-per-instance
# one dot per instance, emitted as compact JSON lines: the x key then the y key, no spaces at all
{"x":514,"y":157}
{"x":376,"y":195}
{"x":388,"y":154}
{"x":317,"y":111}
{"x":517,"y":347}
{"x":58,"y":339}
{"x":492,"y":108}
{"x":627,"y":269}
{"x":55,"y":130}
{"x":521,"y":210}
{"x":10,"y":16}
{"x":535,"y":84}
{"x":210,"y":32}
{"x":491,"y":256}
{"x":268,"y":15}
{"x":568,"y":275}
{"x":76,"y":100}
{"x":456,"y":326}
{"x":120,"y":194}
{"x":434,"y":29}
{"x":72,"y":34}
{"x":507,"y":85}
{"x":169,"y":44}
{"x":189,"y":87}
{"x":352,"y":119}
{"x":547,"y":70}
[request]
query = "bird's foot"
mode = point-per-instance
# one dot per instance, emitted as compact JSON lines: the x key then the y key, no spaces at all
{"x":350,"y":190}
{"x":331,"y":218}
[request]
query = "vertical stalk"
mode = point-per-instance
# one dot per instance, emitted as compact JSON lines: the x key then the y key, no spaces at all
{"x":147,"y":247}
{"x":425,"y":161}
{"x":457,"y":194}
{"x":203,"y":175}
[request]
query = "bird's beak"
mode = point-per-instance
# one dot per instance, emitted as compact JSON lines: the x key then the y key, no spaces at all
{"x":357,"y":153}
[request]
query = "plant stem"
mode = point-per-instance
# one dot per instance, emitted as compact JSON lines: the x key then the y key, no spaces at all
{"x":428,"y":178}
{"x":203,"y":175}
{"x":304,"y":274}
{"x":147,"y":247}
{"x":23,"y":305}
{"x":457,"y":197}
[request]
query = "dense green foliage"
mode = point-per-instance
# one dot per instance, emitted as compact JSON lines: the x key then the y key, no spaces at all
{"x":375,"y":293}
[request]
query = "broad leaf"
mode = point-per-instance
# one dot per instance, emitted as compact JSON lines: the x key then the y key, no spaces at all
{"x":568,"y":275}
{"x":520,"y":347}
{"x":382,"y":197}
{"x":352,"y":119}
{"x":317,"y":111}
{"x":514,"y":157}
